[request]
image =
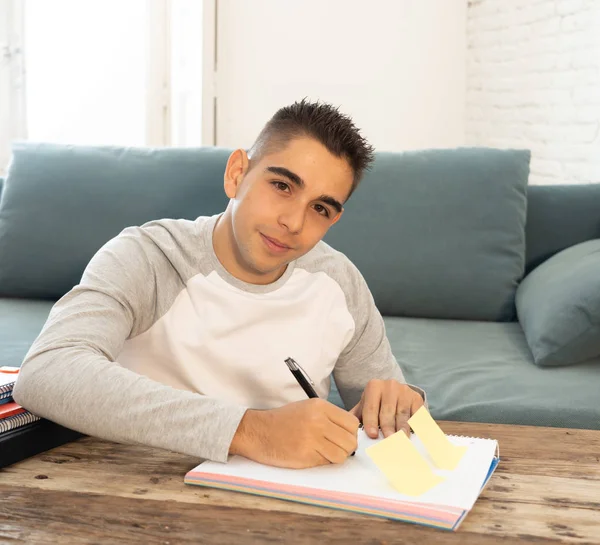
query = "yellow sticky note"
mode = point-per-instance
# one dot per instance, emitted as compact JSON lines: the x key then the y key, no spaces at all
{"x":444,"y":454}
{"x":402,"y":464}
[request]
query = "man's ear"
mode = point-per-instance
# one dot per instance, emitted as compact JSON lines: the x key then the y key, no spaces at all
{"x":237,"y":166}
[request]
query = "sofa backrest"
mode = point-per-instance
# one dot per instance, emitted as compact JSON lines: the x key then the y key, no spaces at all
{"x":440,"y":233}
{"x":559,"y":216}
{"x":61,"y":203}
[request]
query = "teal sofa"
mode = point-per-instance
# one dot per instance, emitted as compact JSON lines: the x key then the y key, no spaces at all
{"x":444,"y":239}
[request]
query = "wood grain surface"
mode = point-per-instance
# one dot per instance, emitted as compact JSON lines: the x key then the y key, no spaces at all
{"x":545,"y":490}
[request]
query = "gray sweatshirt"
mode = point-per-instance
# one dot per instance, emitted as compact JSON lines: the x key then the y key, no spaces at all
{"x":160,"y":345}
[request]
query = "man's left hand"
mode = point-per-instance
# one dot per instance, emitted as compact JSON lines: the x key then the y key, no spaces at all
{"x":387,"y":404}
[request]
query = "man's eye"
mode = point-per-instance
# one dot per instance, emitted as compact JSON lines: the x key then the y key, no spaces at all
{"x":322,"y":210}
{"x":281,"y":186}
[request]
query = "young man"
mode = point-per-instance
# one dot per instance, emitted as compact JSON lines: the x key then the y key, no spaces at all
{"x":178,"y":333}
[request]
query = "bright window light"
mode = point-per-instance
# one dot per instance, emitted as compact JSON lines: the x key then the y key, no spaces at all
{"x":86,"y":71}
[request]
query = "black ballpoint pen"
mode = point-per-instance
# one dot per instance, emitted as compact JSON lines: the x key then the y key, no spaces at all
{"x":303,"y":379}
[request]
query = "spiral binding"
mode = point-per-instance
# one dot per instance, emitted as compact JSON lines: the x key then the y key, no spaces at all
{"x":480,"y":439}
{"x":470,"y":437}
{"x":12,"y":422}
{"x":7,"y":388}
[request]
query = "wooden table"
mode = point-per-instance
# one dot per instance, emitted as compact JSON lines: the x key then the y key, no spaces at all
{"x":545,"y":490}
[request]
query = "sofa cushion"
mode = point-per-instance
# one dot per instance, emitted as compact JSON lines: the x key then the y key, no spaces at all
{"x":61,"y":203}
{"x":484,"y":372}
{"x":558,"y":305}
{"x":440,"y":233}
{"x":21,"y":321}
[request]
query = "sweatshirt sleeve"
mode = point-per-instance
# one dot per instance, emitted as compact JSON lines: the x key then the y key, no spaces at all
{"x":368,"y":355}
{"x":71,"y":374}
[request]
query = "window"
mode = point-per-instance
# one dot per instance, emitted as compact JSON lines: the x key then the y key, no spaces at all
{"x":102,"y":72}
{"x":86,"y":71}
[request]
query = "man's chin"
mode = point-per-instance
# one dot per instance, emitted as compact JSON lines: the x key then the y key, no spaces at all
{"x":266,"y":270}
{"x":271,"y":266}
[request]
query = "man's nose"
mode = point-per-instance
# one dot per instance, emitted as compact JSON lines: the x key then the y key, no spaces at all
{"x":293,"y":218}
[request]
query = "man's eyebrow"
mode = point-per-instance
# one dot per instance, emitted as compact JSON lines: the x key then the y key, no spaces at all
{"x":331,"y":202}
{"x":293,"y":177}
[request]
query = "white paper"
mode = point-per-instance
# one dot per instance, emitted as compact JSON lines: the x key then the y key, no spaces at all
{"x":359,"y":474}
{"x":7,"y":378}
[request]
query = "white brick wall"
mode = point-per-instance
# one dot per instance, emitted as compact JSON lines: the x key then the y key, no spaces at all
{"x":533,"y":81}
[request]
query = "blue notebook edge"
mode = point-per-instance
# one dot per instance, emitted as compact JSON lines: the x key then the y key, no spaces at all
{"x":493,"y":467}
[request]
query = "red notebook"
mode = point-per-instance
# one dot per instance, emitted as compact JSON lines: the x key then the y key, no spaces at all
{"x":10,"y":409}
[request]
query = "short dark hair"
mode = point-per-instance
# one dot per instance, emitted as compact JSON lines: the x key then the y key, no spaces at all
{"x":323,"y":122}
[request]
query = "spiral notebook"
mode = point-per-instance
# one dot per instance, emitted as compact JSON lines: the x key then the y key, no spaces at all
{"x":360,"y":486}
{"x":7,"y":382}
{"x":17,"y":421}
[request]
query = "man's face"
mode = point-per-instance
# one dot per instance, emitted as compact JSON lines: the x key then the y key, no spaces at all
{"x":284,"y":204}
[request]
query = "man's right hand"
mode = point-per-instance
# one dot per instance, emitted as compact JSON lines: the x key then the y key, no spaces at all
{"x":306,"y":433}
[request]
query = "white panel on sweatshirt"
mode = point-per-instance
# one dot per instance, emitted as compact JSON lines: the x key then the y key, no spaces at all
{"x":231,"y":344}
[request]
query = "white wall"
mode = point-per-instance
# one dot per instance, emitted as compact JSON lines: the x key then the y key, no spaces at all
{"x":396,"y":66}
{"x":533,"y":81}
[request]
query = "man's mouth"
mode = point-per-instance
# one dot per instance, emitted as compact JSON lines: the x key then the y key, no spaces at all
{"x":275,"y":245}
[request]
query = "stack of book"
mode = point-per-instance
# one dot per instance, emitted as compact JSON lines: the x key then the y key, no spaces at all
{"x":23,"y":434}
{"x":12,"y":415}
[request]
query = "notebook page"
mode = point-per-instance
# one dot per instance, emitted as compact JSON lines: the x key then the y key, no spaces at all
{"x":359,"y":474}
{"x":7,"y":378}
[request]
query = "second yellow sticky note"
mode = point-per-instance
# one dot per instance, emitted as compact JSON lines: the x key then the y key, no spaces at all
{"x":444,"y":454}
